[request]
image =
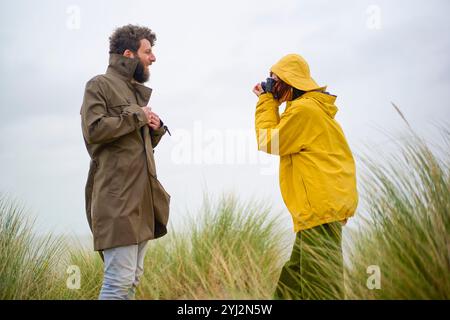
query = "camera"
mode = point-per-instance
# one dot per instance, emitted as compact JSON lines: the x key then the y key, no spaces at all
{"x":268,"y":85}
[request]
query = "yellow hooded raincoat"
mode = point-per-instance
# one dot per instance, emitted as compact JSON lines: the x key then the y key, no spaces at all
{"x":317,"y":169}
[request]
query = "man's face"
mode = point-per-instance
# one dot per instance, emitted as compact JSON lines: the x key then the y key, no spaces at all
{"x":146,"y":58}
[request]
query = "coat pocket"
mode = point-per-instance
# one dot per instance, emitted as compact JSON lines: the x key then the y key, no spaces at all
{"x":161,"y":206}
{"x":117,"y":172}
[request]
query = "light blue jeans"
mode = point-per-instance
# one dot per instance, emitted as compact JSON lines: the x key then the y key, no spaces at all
{"x":123,"y":266}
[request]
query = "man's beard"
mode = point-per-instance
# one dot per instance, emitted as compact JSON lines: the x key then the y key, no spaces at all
{"x":141,"y":74}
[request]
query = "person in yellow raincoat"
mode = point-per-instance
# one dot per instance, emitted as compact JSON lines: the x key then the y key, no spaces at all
{"x":317,"y":176}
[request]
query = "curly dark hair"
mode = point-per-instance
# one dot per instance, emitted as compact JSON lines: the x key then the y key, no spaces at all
{"x":129,"y":37}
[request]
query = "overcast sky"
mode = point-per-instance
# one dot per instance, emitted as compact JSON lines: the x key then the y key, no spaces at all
{"x":209,"y":55}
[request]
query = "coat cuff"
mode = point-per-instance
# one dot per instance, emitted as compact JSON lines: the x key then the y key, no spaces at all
{"x":266,"y":96}
{"x":139,"y":114}
{"x":161,"y":130}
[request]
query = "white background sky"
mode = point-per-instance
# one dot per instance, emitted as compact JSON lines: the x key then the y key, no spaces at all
{"x":209,"y":56}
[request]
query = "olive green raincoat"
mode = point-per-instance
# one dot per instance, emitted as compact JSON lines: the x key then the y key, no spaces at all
{"x":125,"y":202}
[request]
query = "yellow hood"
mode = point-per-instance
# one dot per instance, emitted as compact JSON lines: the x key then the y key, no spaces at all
{"x":294,"y":70}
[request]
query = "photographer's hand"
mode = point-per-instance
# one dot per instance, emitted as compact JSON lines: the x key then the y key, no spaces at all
{"x":258,"y":90}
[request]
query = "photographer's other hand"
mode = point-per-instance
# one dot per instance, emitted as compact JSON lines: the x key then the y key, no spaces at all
{"x":258,"y":90}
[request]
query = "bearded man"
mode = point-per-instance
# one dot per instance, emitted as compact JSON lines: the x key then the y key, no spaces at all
{"x":126,"y":205}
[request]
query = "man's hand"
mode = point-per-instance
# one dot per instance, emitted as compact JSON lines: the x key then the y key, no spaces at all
{"x":148,"y":111}
{"x":153,"y":120}
{"x":258,"y":90}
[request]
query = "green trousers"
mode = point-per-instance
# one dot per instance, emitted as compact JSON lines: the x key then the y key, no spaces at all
{"x":315,"y":268}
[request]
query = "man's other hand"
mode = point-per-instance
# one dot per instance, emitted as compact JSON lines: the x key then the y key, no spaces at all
{"x":152,"y":118}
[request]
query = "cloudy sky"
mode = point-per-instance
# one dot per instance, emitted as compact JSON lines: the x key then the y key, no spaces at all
{"x":209,"y":55}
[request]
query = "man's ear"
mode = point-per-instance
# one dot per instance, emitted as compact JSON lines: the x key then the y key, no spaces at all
{"x":128,"y":53}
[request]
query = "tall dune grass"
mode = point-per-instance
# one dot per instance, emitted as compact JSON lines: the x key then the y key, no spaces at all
{"x":27,"y":262}
{"x":407,"y":232}
{"x":235,"y":250}
{"x":229,"y":251}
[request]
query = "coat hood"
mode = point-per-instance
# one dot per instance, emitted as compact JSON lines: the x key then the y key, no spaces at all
{"x":294,"y":70}
{"x":122,"y":66}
